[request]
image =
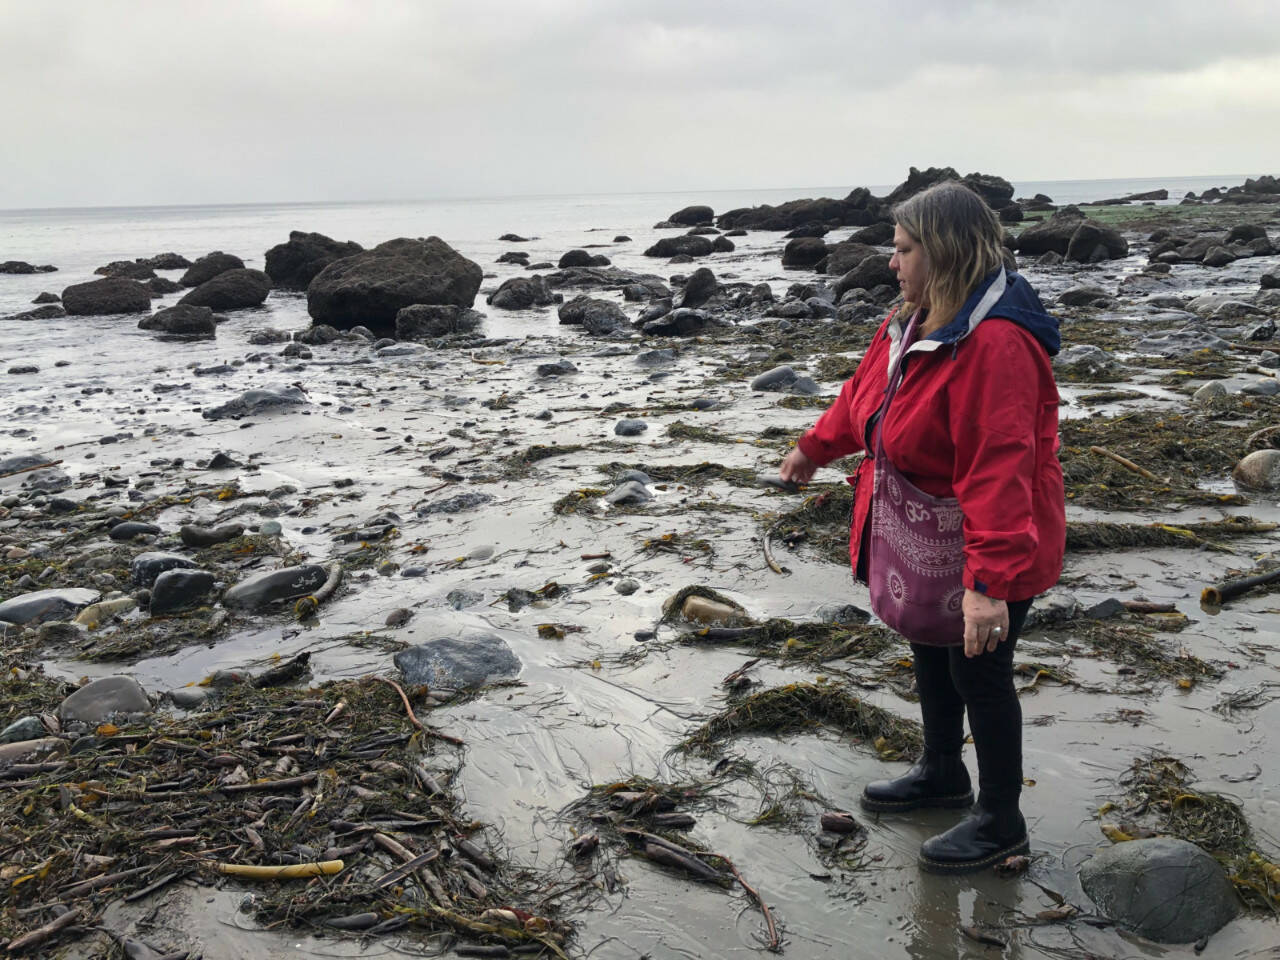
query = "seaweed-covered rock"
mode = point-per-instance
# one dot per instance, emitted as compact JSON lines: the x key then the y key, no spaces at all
{"x":372,"y":287}
{"x":575,"y":258}
{"x":294,"y":264}
{"x":1161,"y":888}
{"x":98,"y":298}
{"x":459,"y":664}
{"x":209,"y":266}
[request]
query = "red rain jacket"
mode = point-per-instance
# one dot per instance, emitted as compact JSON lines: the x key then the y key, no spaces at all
{"x":976,"y":419}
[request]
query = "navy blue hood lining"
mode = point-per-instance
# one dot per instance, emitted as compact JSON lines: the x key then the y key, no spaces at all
{"x":1019,"y":303}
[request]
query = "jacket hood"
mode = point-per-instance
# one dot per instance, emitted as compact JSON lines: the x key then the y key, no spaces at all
{"x":1007,"y":295}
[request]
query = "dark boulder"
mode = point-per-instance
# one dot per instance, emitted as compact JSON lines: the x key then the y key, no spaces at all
{"x":107,"y":296}
{"x":147,"y":566}
{"x":209,"y":266}
{"x":127,"y":269}
{"x":231,"y":290}
{"x":876,"y":235}
{"x":576,"y":258}
{"x":294,"y":264}
{"x":1245,"y":232}
{"x":597,"y":317}
{"x":49,"y":311}
{"x":722,"y":244}
{"x":920,"y":180}
{"x":843,"y":257}
{"x":997,"y":191}
{"x":166,"y":261}
{"x":159,"y":286}
{"x":47,"y":297}
{"x":693,"y":216}
{"x":698,"y":289}
{"x":803,"y":253}
{"x":426,"y":321}
{"x":513,"y":238}
{"x":255,"y":402}
{"x":870,"y":272}
{"x":678,"y":323}
{"x":1092,"y":242}
{"x":521,"y":293}
{"x":180,"y":589}
{"x":183,"y":320}
{"x":1264,"y":184}
{"x":466,"y":663}
{"x":520,"y":257}
{"x":370,"y":288}
{"x":682,"y":245}
{"x":1218,"y":256}
{"x":17,"y":267}
{"x":1010,"y":214}
{"x":814,"y":229}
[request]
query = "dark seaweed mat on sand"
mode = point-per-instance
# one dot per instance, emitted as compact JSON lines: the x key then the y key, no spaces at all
{"x":127,"y":794}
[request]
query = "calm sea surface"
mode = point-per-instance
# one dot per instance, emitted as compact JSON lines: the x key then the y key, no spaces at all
{"x":77,"y":240}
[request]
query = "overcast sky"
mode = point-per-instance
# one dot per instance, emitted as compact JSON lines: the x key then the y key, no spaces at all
{"x":176,"y":101}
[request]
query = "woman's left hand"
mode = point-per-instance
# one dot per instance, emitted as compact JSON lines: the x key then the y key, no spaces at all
{"x":986,"y":622}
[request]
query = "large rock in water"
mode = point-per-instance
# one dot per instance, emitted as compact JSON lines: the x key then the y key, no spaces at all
{"x":1162,"y":888}
{"x":231,"y":290}
{"x":459,"y":664}
{"x":1070,"y":234}
{"x":263,"y":589}
{"x":102,"y":297}
{"x":293,"y":265}
{"x":209,"y":266}
{"x":183,"y":320}
{"x":520,"y":293}
{"x":370,"y":288}
{"x":689,"y":246}
{"x":597,"y":317}
{"x":44,"y":605}
{"x":693,"y":216}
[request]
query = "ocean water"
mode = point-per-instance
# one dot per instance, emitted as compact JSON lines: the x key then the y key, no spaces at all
{"x":78,"y":240}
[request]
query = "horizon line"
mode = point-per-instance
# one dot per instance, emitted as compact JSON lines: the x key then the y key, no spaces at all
{"x":532,"y":196}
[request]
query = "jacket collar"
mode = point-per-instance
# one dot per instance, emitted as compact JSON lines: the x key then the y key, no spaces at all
{"x":976,"y":308}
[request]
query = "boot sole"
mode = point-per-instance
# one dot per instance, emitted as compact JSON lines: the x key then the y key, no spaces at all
{"x":973,"y":866}
{"x":954,"y":801}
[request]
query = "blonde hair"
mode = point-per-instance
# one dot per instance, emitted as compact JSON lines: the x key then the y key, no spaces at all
{"x":961,"y":240}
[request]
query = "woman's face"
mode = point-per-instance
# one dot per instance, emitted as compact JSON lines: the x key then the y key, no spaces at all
{"x":909,"y":264}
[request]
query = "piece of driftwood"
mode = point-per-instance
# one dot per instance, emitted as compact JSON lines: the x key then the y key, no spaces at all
{"x":1124,"y":462}
{"x":38,"y":466}
{"x":285,"y":871}
{"x":41,"y":934}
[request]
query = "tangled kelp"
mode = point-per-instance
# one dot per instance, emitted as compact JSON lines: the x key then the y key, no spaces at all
{"x":1182,"y":450}
{"x":521,"y":464}
{"x":266,"y":779}
{"x":808,"y":706}
{"x":1133,"y":642}
{"x":1116,"y":536}
{"x":808,"y":642}
{"x":1158,"y":799}
{"x":689,"y":474}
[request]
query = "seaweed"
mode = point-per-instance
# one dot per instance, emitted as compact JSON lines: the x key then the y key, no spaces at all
{"x":808,"y":642}
{"x":809,"y":706}
{"x":265,"y":777}
{"x":679,"y":430}
{"x":1115,"y":536}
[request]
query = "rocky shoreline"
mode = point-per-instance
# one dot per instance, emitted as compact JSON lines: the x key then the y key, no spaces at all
{"x":391,"y":491}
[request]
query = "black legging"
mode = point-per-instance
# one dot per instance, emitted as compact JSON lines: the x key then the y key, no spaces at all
{"x":949,"y":682}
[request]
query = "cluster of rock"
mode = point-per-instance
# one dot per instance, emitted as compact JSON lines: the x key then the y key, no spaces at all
{"x":1212,"y":250}
{"x":1265,"y":189}
{"x":22,"y":267}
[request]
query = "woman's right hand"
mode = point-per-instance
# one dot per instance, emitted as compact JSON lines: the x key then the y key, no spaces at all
{"x":797,"y":468}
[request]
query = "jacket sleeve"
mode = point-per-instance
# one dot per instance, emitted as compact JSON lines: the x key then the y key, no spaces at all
{"x":994,"y":408}
{"x":833,"y":436}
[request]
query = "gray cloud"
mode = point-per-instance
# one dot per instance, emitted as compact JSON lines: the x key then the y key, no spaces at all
{"x":160,"y":102}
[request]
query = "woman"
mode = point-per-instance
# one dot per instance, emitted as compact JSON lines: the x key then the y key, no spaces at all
{"x":972,"y":415}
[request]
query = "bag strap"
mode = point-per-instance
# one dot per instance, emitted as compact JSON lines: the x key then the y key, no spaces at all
{"x":895,"y":380}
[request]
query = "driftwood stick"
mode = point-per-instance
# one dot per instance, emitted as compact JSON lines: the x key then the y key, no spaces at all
{"x":1124,"y":462}
{"x":14,"y":473}
{"x":84,"y":886}
{"x":754,"y":894}
{"x":1148,"y":606}
{"x":41,"y":934}
{"x":1220,"y":593}
{"x":768,"y":552}
{"x":299,"y":781}
{"x":429,"y":731}
{"x":287,"y":871}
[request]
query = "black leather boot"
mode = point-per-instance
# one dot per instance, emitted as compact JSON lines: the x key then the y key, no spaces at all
{"x":937,"y":780}
{"x":994,"y":831}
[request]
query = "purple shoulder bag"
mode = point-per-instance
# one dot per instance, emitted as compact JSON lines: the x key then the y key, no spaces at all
{"x":916,"y":555}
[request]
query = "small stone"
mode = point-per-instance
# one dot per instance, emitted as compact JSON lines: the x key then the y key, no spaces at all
{"x":188,"y":698}
{"x":481,"y":553}
{"x":1259,"y":471}
{"x":413,"y":571}
{"x":101,"y":699}
{"x":194,"y":535}
{"x":1210,"y":391}
{"x":24,"y":728}
{"x":270,"y":528}
{"x":399,"y":617}
{"x":630,"y":428}
{"x":464,"y":663}
{"x":559,"y":368}
{"x":626,"y":587}
{"x":147,"y":566}
{"x":1105,"y":609}
{"x":132,"y":528}
{"x":387,"y":567}
{"x":460,"y":599}
{"x":271,"y":586}
{"x":779,"y":378}
{"x":630,"y":492}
